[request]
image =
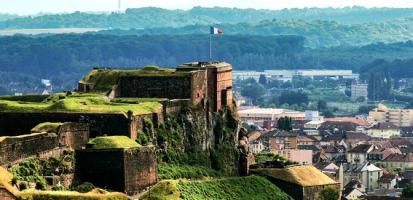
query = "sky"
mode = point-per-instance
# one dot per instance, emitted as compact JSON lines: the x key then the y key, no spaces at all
{"x":30,"y":7}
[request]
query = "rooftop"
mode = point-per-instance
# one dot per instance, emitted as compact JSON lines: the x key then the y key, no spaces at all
{"x":384,"y":126}
{"x":305,"y":175}
{"x":399,"y":158}
{"x":269,"y":111}
{"x":370,"y":167}
{"x":358,"y":121}
{"x":361,"y":148}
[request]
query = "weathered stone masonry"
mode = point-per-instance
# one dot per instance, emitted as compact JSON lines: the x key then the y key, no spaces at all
{"x":21,"y":147}
{"x":129,"y":170}
{"x":12,"y":123}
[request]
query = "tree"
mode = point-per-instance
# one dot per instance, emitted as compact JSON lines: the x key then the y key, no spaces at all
{"x":329,"y":193}
{"x":365,"y":109}
{"x":409,"y":105}
{"x":293,"y":97}
{"x":262,"y":80}
{"x":328,"y":114}
{"x":379,"y":85}
{"x":253,"y":91}
{"x":321,"y":105}
{"x":285,"y":123}
{"x":408,"y":191}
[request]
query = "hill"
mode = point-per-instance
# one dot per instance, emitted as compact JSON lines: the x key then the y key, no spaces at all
{"x":65,"y":58}
{"x":150,"y":17}
{"x":317,"y":33}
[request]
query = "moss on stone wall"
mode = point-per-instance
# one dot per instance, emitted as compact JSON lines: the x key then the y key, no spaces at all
{"x":198,"y":137}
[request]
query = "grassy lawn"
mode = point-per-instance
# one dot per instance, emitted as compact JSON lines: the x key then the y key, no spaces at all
{"x":95,"y":103}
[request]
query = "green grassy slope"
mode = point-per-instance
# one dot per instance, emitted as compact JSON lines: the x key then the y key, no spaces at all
{"x":245,"y":188}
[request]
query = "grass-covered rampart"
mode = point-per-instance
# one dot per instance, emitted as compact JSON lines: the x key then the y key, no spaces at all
{"x":94,"y":103}
{"x":105,"y":79}
{"x":112,"y":142}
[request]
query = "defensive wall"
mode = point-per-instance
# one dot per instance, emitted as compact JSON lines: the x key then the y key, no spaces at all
{"x":15,"y":148}
{"x":17,"y":123}
{"x":128,"y":170}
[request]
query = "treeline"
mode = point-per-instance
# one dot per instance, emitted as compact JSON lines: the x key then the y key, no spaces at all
{"x":317,"y":33}
{"x":157,"y":17}
{"x":66,"y":58}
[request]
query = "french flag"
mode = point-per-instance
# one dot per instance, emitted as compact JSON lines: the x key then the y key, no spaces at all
{"x":215,"y":31}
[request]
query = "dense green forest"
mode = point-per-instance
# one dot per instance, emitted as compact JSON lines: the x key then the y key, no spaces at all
{"x":66,"y":58}
{"x":157,"y":17}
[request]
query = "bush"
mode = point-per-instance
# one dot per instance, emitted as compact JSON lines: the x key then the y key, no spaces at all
{"x":23,"y":186}
{"x":408,"y":191}
{"x":41,"y":184}
{"x":85,"y":187}
{"x":329,"y":193}
{"x":58,"y":187}
{"x":143,"y":139}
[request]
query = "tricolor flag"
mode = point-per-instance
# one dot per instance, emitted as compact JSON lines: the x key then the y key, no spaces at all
{"x":215,"y":31}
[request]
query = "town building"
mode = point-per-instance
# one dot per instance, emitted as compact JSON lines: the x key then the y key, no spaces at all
{"x":283,"y":140}
{"x":402,"y":161}
{"x":358,"y":90}
{"x":256,"y":146}
{"x":359,"y":153}
{"x":260,"y":116}
{"x":299,"y":156}
{"x":353,"y":190}
{"x":367,"y":173}
{"x":287,"y":75}
{"x":398,"y":117}
{"x":383,"y":130}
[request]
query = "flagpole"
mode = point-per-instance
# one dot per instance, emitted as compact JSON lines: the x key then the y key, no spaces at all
{"x":210,"y":47}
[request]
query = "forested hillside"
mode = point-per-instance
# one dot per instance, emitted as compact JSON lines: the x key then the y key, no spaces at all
{"x":65,"y":58}
{"x":317,"y":33}
{"x":157,"y":17}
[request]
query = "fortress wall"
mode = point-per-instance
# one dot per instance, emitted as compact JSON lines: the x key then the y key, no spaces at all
{"x":12,"y":124}
{"x":171,"y":87}
{"x":74,"y":135}
{"x":198,"y":86}
{"x":13,"y":149}
{"x":140,"y":169}
{"x":125,"y":170}
{"x":103,"y":168}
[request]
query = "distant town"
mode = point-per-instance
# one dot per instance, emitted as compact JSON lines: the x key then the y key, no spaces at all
{"x":370,"y":152}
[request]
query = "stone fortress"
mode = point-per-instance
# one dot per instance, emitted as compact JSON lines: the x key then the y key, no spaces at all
{"x":167,"y":91}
